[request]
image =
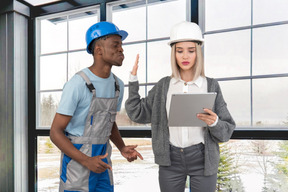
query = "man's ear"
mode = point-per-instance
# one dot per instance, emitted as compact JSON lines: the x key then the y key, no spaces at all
{"x":98,"y":50}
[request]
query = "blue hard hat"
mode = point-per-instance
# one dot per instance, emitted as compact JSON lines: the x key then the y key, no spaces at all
{"x":102,"y":29}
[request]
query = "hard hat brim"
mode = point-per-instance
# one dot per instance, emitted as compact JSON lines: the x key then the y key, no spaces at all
{"x":123,"y":34}
{"x":189,"y":40}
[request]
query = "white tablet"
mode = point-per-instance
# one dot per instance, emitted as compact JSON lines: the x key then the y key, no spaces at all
{"x":184,"y":108}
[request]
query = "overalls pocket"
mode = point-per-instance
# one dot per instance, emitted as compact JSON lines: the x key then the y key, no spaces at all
{"x":73,"y":174}
{"x":110,"y":119}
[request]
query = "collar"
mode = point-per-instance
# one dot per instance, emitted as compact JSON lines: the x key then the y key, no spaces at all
{"x":198,"y":82}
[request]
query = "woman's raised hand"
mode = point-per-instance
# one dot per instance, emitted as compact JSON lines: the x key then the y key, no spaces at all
{"x":135,"y":67}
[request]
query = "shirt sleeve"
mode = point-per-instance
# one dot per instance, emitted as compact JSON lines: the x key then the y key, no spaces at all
{"x":225,"y":126}
{"x":70,"y":96}
{"x":215,"y":123}
{"x":133,"y":78}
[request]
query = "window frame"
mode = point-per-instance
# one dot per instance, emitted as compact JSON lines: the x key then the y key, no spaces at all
{"x":198,"y":7}
{"x":39,"y":55}
{"x":249,"y":132}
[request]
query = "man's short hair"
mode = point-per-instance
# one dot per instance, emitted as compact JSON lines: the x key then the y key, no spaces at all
{"x":92,"y":45}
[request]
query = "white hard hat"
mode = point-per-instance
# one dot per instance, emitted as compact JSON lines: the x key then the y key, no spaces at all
{"x":185,"y":31}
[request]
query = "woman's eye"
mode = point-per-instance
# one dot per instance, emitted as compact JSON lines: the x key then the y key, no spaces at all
{"x":179,"y":51}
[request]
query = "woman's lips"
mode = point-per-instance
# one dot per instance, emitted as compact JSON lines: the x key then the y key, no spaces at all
{"x":185,"y":63}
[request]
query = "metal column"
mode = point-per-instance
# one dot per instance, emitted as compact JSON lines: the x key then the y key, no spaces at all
{"x":13,"y":96}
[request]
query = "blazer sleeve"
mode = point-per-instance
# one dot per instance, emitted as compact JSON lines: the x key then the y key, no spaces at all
{"x":139,"y":109}
{"x":223,"y":130}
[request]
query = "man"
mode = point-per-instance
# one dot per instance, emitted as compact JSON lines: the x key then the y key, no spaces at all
{"x":85,"y":119}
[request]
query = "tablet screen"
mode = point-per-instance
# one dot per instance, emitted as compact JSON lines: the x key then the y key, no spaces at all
{"x":184,"y":108}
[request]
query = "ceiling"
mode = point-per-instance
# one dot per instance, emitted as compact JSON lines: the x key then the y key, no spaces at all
{"x":39,"y":2}
{"x":44,"y":7}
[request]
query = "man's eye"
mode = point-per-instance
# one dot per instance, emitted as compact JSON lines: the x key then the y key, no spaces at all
{"x":117,"y":45}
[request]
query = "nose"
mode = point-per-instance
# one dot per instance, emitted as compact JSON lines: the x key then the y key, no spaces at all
{"x":121,"y":49}
{"x":185,"y":55}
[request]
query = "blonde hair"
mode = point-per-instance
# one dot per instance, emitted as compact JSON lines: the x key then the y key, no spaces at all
{"x":198,"y":68}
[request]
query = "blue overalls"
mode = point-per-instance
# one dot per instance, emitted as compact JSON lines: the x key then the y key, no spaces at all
{"x":95,"y":141}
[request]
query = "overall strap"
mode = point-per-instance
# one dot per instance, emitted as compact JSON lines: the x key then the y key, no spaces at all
{"x":117,"y":87}
{"x":88,"y":82}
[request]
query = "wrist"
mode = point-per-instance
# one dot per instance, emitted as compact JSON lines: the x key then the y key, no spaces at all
{"x":133,"y":78}
{"x":84,"y":160}
{"x":121,"y":148}
{"x":215,"y":123}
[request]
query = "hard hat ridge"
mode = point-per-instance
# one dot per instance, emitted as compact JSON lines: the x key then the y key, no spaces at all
{"x":185,"y":31}
{"x":102,"y":29}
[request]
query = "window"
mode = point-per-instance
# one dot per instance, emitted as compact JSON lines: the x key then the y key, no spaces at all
{"x":269,"y":108}
{"x":124,"y":175}
{"x":266,"y":11}
{"x":250,"y":73}
{"x":230,"y":51}
{"x":61,"y":52}
{"x":260,"y":161}
{"x":227,"y":14}
{"x":239,"y":109}
{"x":48,"y":158}
{"x":148,"y":24}
{"x":244,"y":48}
{"x":269,"y":45}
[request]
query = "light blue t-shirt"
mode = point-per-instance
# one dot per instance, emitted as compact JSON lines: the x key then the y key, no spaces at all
{"x":76,"y":98}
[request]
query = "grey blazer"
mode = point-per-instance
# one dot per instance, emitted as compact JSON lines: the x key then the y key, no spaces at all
{"x":152,"y":109}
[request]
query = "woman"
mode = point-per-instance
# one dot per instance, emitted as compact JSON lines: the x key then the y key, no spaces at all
{"x":182,"y":151}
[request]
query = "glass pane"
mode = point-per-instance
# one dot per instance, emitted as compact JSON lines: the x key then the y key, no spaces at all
{"x":158,"y":62}
{"x":270,"y":54}
{"x":149,"y":87}
{"x":126,"y":178}
{"x":267,"y":11}
{"x":48,"y":165}
{"x":132,"y":20}
{"x":260,"y":161}
{"x":53,"y":71}
{"x":78,"y":25}
{"x":130,"y":52}
{"x":253,"y":165}
{"x":270,"y":103}
{"x":238,"y":100}
{"x":160,"y":19}
{"x":53,"y":35}
{"x":48,"y":105}
{"x":227,"y":54}
{"x":78,"y":61}
{"x":225,"y":14}
{"x":122,"y":118}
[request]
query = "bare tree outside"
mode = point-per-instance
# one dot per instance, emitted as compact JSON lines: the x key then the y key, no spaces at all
{"x":48,"y":110}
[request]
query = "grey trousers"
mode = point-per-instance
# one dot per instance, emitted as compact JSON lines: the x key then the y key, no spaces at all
{"x":186,"y":161}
